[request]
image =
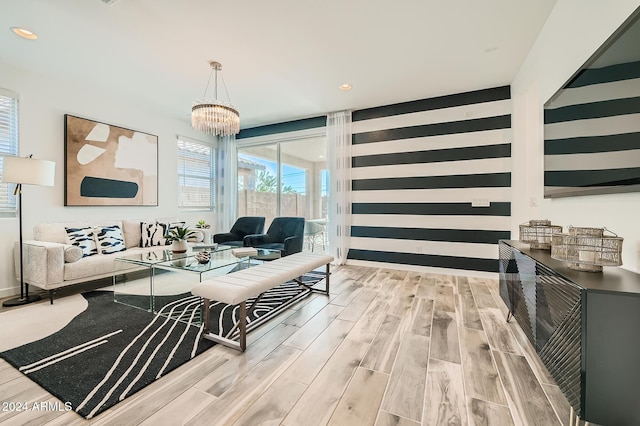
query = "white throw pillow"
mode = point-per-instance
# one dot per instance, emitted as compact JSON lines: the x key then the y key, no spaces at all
{"x":110,"y":239}
{"x":83,"y":238}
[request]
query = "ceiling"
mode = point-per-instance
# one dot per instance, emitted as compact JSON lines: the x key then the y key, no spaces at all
{"x":282,"y":59}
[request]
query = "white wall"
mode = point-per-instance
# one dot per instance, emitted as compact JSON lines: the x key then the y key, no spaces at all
{"x":573,"y":32}
{"x":43,"y":103}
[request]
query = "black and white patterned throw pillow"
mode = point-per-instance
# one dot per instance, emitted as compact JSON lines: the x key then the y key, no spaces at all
{"x":153,"y":234}
{"x":110,"y":239}
{"x":83,"y":238}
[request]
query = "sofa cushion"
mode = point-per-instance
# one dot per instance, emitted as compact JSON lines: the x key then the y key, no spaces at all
{"x":131,"y":233}
{"x":72,"y":253}
{"x":110,"y":239}
{"x":83,"y":238}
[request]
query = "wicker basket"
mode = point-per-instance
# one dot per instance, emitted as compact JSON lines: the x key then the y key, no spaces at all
{"x":587,"y":249}
{"x":538,"y":233}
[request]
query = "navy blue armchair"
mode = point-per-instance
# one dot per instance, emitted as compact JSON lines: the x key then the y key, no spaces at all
{"x":285,"y":234}
{"x":244,"y":226}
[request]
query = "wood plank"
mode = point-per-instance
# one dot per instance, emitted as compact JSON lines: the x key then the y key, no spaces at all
{"x":361,"y":401}
{"x":559,"y":402}
{"x":383,"y":349}
{"x":444,"y":298}
{"x":317,"y":404}
{"x":483,"y":296}
{"x":27,"y":396}
{"x":444,"y":402}
{"x":302,"y":338}
{"x":388,"y":419}
{"x":307,"y":366}
{"x":353,"y":311}
{"x":405,"y":392}
{"x":483,"y":413}
{"x":466,"y":304}
{"x":498,"y":331}
{"x":306,"y":312}
{"x":421,"y":317}
{"x":403,"y":298}
{"x":427,"y":287}
{"x":272,"y":407}
{"x":445,"y":344}
{"x":532,"y":407}
{"x":480,"y":375}
{"x":367,"y":326}
{"x":240,"y":363}
{"x":228,"y":408}
{"x":181,"y":409}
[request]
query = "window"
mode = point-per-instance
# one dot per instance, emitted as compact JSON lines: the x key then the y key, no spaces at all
{"x":8,"y":147}
{"x":195,"y":175}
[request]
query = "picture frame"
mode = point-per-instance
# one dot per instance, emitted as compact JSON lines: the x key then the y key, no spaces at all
{"x":108,"y":165}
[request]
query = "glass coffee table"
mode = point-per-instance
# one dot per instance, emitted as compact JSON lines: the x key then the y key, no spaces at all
{"x":172,"y":275}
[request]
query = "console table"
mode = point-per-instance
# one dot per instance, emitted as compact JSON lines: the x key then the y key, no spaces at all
{"x":585,"y":327}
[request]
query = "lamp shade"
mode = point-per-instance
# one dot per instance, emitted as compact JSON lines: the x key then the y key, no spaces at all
{"x":28,"y":171}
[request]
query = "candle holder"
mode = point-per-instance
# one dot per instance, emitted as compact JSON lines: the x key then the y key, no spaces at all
{"x":538,"y":233}
{"x":587,"y":249}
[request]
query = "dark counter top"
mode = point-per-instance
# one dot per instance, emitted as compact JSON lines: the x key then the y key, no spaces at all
{"x":611,"y":279}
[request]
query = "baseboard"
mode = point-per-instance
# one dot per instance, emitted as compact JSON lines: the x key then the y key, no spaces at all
{"x":425,"y":269}
{"x":8,"y":292}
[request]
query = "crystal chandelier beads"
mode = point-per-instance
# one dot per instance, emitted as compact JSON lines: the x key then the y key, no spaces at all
{"x":214,"y":116}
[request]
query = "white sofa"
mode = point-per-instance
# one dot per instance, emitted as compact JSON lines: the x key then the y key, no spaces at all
{"x":52,"y":261}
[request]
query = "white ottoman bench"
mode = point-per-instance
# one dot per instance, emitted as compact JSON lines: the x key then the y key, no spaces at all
{"x":235,"y":288}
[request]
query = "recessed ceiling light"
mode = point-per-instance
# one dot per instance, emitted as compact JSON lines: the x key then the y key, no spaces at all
{"x":345,"y":87}
{"x":24,"y":33}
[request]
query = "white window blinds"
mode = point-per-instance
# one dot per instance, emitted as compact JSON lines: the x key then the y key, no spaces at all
{"x":195,"y":175}
{"x":8,"y":147}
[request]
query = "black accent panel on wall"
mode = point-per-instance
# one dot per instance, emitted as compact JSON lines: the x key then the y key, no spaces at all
{"x":600,"y":109}
{"x":483,"y":180}
{"x":289,"y":126}
{"x":426,"y":234}
{"x":608,"y":74}
{"x":437,"y":129}
{"x":439,"y":209}
{"x":448,"y":101}
{"x":593,"y":178}
{"x":590,"y":144}
{"x":430,"y":260}
{"x":434,"y":156}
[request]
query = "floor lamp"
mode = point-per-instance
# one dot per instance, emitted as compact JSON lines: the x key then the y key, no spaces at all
{"x":27,"y":171}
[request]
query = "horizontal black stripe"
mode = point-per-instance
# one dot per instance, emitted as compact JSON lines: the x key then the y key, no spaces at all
{"x":448,"y":128}
{"x":589,"y":178}
{"x":431,"y":260}
{"x":609,"y":108}
{"x":481,"y":180}
{"x":426,"y":234}
{"x":447,"y":101}
{"x":436,"y":209}
{"x":589,"y":144}
{"x":289,"y":126}
{"x":606,"y":74}
{"x":434,"y":156}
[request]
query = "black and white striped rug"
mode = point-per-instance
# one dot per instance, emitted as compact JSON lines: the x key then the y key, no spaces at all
{"x":111,"y":350}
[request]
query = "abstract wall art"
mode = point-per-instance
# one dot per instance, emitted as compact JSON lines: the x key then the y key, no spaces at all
{"x":107,"y":165}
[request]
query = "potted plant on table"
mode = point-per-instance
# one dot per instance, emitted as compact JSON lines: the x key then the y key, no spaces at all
{"x":178,"y":237}
{"x":202,"y":224}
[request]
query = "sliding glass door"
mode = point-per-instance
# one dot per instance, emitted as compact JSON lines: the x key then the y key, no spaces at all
{"x":286,"y":178}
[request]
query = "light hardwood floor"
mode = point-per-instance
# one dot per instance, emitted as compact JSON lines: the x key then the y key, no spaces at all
{"x":387,"y":347}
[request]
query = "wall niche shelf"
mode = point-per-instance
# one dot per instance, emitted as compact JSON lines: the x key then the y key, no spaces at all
{"x":584,"y":326}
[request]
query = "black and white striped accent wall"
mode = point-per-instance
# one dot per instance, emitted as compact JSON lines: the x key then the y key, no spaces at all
{"x":417,"y":167}
{"x":592,"y":133}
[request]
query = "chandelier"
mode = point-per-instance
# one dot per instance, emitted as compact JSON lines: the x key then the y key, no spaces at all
{"x":214,"y":116}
